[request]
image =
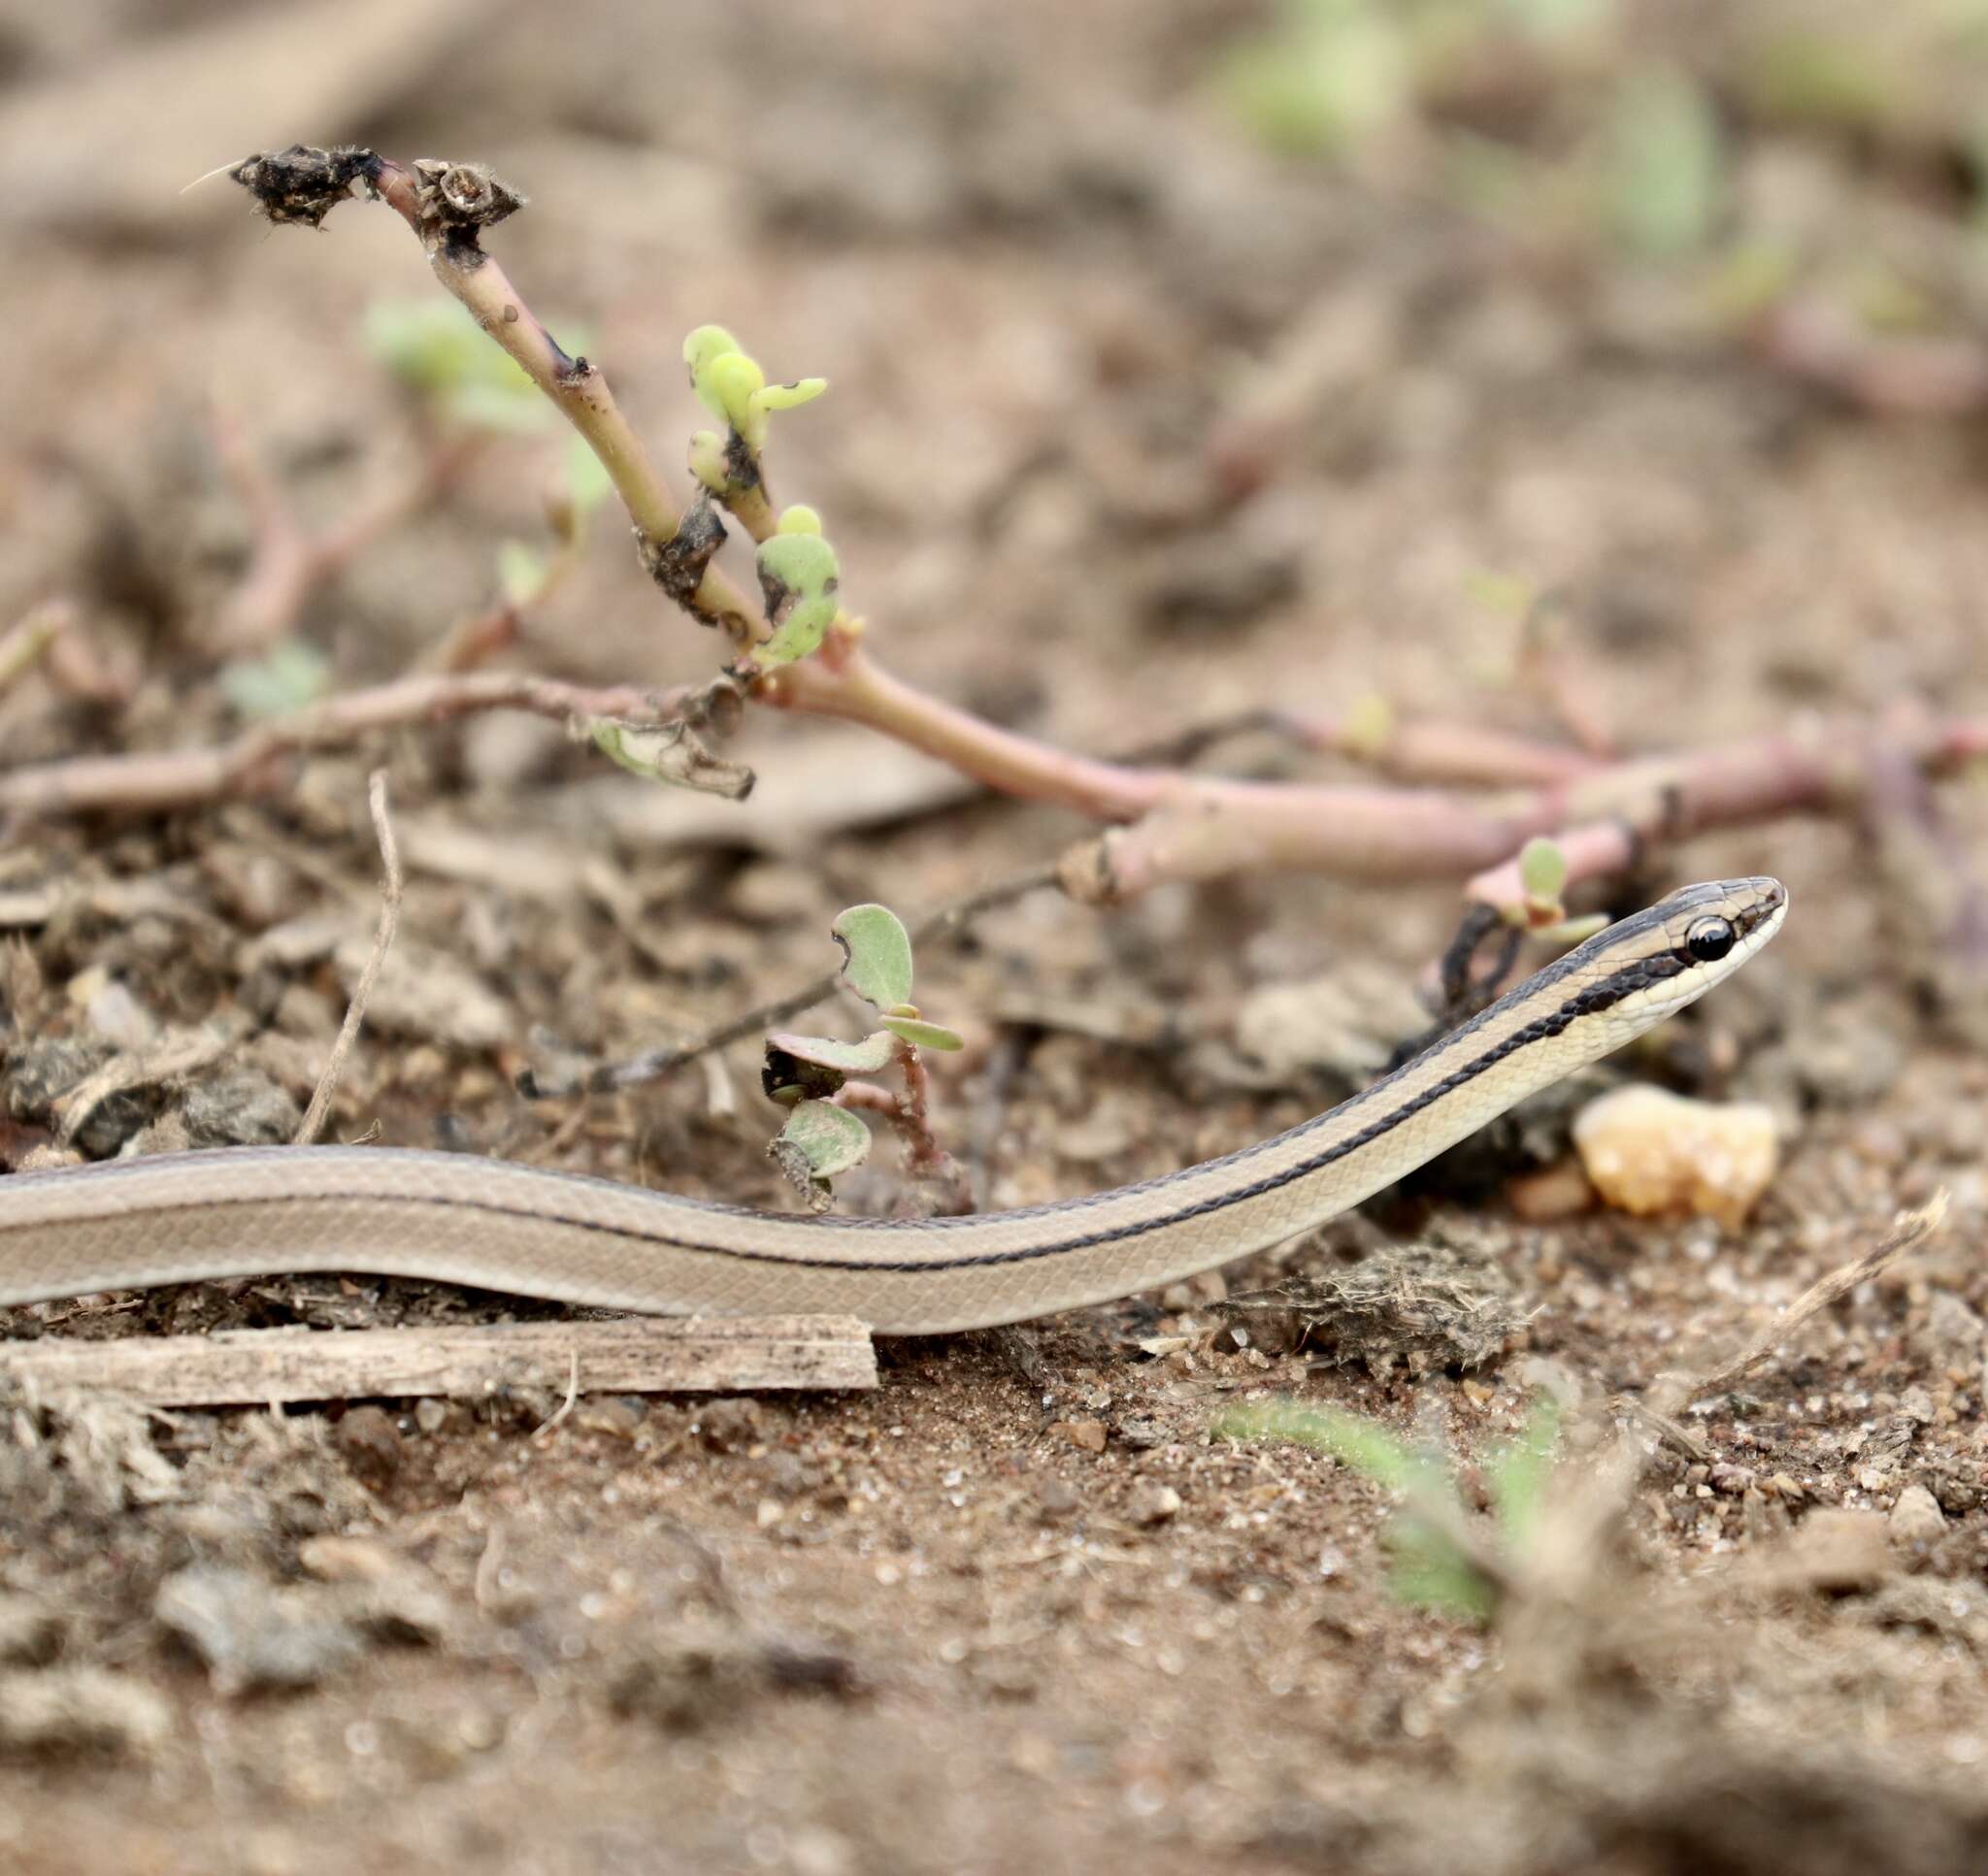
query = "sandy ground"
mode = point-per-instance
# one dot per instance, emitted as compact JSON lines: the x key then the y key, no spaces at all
{"x":1134,"y":425}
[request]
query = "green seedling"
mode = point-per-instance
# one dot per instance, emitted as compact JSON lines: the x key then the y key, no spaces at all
{"x":1666,"y":173}
{"x":287,"y":677}
{"x":731,"y":384}
{"x":821,"y":1078}
{"x":1434,"y":1562}
{"x":1323,"y":78}
{"x":438,"y":353}
{"x":525,"y":576}
{"x":800,"y":579}
{"x":1543,"y":878}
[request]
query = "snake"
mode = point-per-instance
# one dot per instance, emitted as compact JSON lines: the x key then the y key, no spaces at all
{"x":263,"y":1212}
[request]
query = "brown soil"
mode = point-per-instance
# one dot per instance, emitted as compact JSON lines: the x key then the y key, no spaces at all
{"x":1016,"y":1609}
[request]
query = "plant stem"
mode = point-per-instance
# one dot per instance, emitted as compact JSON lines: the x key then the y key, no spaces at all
{"x":159,"y":782}
{"x":858,"y":690}
{"x":577,"y":388}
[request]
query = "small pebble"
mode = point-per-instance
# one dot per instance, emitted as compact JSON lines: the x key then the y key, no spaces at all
{"x":1089,"y":1435}
{"x":1557,"y":1192}
{"x":616,"y":1415}
{"x":1153,"y":1503}
{"x":368,"y":1437}
{"x":728,"y":1426}
{"x":346,"y":1559}
{"x":1838,"y":1552}
{"x":1916,"y":1519}
{"x":1650,"y":1151}
{"x":1057,"y":1499}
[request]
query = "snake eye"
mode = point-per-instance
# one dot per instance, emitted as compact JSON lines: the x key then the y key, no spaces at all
{"x":1709,"y":939}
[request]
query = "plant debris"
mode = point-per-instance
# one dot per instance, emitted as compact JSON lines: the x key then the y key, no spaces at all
{"x":1427,"y":1307}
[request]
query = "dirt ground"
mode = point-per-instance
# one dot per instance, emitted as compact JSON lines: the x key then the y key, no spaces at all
{"x":1136,"y":423}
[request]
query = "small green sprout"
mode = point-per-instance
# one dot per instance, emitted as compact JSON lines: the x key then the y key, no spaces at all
{"x":817,"y":1076}
{"x":1664,"y":178}
{"x":800,"y":577}
{"x":1510,"y":596}
{"x":525,"y":576}
{"x":731,"y":384}
{"x":1543,"y":872}
{"x":521,"y":571}
{"x":877,"y":955}
{"x":587,"y":481}
{"x":1368,"y":726}
{"x":1542,"y":879}
{"x":708,"y":461}
{"x":1435,"y":1565}
{"x":440,"y":353}
{"x":290,"y":674}
{"x":1325,"y":77}
{"x":818,"y":1142}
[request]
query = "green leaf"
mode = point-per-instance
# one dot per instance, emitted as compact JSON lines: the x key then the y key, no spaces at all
{"x":587,"y":481}
{"x":827,"y":1140}
{"x":877,"y":955}
{"x":1368,"y":726}
{"x":1569,"y":932}
{"x":708,"y":461}
{"x":797,"y":635}
{"x":290,"y":675}
{"x":1516,"y":1472}
{"x":702,"y":349}
{"x":1509,"y":595}
{"x":799,"y":520}
{"x":436,"y":348}
{"x":798,"y":577}
{"x":1429,"y":1572}
{"x":1330,"y":74}
{"x":1842,"y":81}
{"x":520,"y":572}
{"x":1550,"y":22}
{"x":789,"y":397}
{"x":1428,"y":1568}
{"x":1363,"y":1444}
{"x":922,"y":1034}
{"x":667,"y":752}
{"x":429,"y":344}
{"x":735,"y":381}
{"x":1666,"y":163}
{"x":503,"y":409}
{"x":1543,"y":870}
{"x":798,"y":563}
{"x":871,"y":1056}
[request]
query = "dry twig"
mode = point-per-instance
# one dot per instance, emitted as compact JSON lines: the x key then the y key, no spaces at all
{"x":164,"y":780}
{"x":391,"y":887}
{"x":1672,"y":1393}
{"x":289,"y":563}
{"x":177,"y":1056}
{"x":645,"y":1354}
{"x":25,"y":642}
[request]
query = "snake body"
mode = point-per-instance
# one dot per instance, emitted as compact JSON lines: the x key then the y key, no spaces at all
{"x":261,"y":1211}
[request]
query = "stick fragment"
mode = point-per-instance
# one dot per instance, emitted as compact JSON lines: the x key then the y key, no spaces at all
{"x":1671,"y":1394}
{"x":642,"y":1355}
{"x":390,"y":890}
